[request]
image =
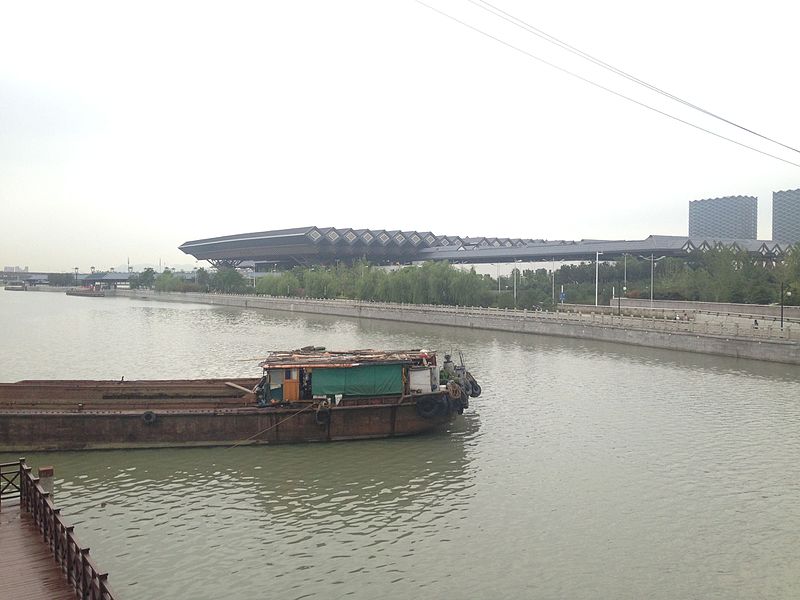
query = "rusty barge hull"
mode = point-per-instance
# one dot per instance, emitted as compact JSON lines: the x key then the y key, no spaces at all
{"x":71,"y":415}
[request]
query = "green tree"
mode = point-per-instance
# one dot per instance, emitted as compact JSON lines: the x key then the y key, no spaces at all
{"x":229,"y":281}
{"x":61,"y":279}
{"x":146,"y":278}
{"x":203,"y":278}
{"x":285,"y":283}
{"x":791,"y":276}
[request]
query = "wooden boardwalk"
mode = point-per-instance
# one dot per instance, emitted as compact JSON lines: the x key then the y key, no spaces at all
{"x":28,"y":570}
{"x":40,"y":557}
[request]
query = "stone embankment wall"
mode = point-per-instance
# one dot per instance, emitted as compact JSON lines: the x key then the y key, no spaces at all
{"x":619,"y":308}
{"x":726,"y":339}
{"x":49,"y":288}
{"x":773,"y":311}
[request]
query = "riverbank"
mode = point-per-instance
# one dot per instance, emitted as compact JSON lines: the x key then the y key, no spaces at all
{"x":768,"y":343}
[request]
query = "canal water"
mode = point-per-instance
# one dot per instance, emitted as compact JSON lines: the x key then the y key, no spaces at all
{"x":585,"y":470}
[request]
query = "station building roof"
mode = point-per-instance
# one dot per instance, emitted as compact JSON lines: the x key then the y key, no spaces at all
{"x":326,"y":245}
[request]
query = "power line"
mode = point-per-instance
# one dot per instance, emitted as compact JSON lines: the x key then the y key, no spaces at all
{"x":499,"y":12}
{"x":602,"y":87}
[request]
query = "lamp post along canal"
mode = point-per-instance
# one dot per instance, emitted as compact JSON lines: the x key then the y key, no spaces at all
{"x":787,"y":294}
{"x":596,"y":275}
{"x":625,"y":272}
{"x":653,"y":261}
{"x":515,"y":284}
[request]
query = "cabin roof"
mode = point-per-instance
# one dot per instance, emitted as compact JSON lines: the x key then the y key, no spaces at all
{"x":322,"y":358}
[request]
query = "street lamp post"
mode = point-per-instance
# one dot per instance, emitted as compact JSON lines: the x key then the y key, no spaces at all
{"x":789,"y":294}
{"x":625,"y":290}
{"x":517,"y":271}
{"x":596,"y":275}
{"x":515,"y":284}
{"x":625,"y":272}
{"x":653,"y":261}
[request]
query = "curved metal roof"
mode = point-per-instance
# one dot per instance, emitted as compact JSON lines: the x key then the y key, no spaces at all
{"x":315,"y":245}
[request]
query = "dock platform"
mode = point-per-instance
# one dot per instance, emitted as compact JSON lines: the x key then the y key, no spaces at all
{"x":28,"y":570}
{"x":40,"y":558}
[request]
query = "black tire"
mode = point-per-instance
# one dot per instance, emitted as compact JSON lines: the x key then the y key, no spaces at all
{"x":474,"y":389}
{"x":323,"y":416}
{"x":429,"y":407}
{"x":149,"y":417}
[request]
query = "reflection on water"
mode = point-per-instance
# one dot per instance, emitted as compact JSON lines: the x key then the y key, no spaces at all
{"x":585,"y":470}
{"x":297,"y":521}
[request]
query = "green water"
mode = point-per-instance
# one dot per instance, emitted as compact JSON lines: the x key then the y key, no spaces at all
{"x":585,"y":470}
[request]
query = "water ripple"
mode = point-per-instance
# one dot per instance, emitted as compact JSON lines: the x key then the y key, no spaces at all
{"x":585,"y":470}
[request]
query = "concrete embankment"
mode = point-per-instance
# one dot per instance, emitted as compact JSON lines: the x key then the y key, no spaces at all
{"x":722,"y":339}
{"x":761,"y":311}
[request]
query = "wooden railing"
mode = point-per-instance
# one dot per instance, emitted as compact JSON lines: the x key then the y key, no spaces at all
{"x":9,"y":480}
{"x":79,"y":569}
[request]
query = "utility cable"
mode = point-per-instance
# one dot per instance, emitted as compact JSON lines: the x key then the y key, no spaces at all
{"x":499,"y":12}
{"x":602,"y":87}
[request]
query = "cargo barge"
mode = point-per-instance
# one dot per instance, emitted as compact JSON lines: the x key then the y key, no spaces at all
{"x":16,"y":286}
{"x":87,"y":292}
{"x":306,"y":395}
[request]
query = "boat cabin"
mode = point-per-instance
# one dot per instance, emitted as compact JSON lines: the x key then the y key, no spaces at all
{"x":316,"y":374}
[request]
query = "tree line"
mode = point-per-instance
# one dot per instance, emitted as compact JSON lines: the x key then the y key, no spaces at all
{"x":201,"y":280}
{"x":722,"y":275}
{"x":719,"y":275}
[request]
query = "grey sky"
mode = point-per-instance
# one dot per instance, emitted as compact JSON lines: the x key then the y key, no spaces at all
{"x":126,"y":129}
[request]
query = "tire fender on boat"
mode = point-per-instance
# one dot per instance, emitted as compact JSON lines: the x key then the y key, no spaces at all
{"x":149,"y":417}
{"x":457,"y":397}
{"x":475,"y":389}
{"x":323,"y":414}
{"x":432,"y":406}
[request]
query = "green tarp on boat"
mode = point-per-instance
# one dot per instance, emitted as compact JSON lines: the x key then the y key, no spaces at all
{"x":366,"y":380}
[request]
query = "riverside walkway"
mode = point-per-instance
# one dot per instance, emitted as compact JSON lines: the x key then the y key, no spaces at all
{"x":40,"y":558}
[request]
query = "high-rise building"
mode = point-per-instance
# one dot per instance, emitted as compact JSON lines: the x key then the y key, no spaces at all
{"x":731,"y":217}
{"x":786,"y":216}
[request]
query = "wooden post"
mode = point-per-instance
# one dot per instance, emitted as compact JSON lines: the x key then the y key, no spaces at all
{"x":46,"y":479}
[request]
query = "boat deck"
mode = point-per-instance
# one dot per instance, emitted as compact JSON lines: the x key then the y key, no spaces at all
{"x":28,"y":570}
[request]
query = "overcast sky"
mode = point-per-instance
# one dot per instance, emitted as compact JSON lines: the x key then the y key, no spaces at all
{"x":129,"y":128}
